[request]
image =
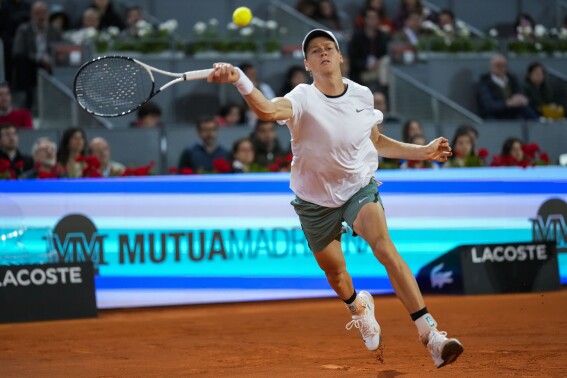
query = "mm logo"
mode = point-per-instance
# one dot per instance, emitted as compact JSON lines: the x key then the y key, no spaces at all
{"x":550,"y":223}
{"x":75,"y":239}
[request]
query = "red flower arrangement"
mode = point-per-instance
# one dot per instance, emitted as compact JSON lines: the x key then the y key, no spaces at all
{"x":91,"y":166}
{"x":6,"y":171}
{"x":476,"y":160}
{"x":43,"y":173}
{"x":144,"y":170}
{"x":183,"y":171}
{"x":281,"y":164}
{"x":483,"y":153}
{"x":220,"y":165}
{"x":532,"y":156}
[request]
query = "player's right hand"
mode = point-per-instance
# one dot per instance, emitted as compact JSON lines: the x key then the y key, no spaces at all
{"x":223,"y":73}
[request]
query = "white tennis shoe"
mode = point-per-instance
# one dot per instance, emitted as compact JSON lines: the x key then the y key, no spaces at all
{"x":443,"y":350}
{"x":366,"y":323}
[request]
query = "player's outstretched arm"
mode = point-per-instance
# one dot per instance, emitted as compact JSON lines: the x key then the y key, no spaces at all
{"x":277,"y":109}
{"x":437,"y":149}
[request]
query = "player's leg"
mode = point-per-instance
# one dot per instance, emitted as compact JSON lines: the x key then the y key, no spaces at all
{"x":370,"y":224}
{"x":322,"y":227}
{"x":361,"y":305}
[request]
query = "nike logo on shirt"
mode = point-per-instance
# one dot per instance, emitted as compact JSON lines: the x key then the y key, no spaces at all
{"x":359,"y":110}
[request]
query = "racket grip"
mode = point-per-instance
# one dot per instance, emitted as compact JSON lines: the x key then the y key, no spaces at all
{"x":196,"y":75}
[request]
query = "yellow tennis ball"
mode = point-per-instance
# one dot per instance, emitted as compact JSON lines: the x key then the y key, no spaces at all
{"x":242,"y":16}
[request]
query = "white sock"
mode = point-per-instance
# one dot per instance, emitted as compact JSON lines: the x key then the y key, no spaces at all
{"x":425,"y":324}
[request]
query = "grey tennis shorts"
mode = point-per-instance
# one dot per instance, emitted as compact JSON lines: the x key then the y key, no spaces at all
{"x":321,"y":225}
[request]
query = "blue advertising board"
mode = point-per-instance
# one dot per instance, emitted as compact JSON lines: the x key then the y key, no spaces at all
{"x":217,"y":238}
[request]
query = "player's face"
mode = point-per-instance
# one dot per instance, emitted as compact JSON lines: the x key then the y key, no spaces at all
{"x":322,"y":54}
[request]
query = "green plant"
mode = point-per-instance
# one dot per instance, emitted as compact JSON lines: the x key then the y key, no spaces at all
{"x":453,"y":39}
{"x":538,"y":40}
{"x":259,"y":35}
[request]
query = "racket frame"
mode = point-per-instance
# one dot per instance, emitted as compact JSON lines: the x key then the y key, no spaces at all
{"x":179,"y":77}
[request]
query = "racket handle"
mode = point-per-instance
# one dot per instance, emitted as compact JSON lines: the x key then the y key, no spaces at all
{"x":196,"y":75}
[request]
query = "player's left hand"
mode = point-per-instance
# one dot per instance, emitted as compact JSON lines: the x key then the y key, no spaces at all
{"x":438,"y":150}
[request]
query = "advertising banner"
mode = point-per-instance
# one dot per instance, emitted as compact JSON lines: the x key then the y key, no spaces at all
{"x":219,"y":238}
{"x":492,"y":269}
{"x":47,"y":292}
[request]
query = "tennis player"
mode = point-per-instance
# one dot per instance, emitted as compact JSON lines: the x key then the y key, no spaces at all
{"x":335,"y":143}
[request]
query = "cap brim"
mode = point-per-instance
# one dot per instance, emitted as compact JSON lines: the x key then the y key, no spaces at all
{"x":314,"y":34}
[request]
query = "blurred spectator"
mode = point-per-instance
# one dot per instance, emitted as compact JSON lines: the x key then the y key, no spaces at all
{"x":91,"y":19}
{"x":71,"y":150}
{"x":446,"y":21}
{"x":540,"y":93}
{"x":499,"y":94}
{"x":513,"y":148}
{"x":99,"y":148}
{"x":411,"y":128}
{"x":13,"y":13}
{"x":32,"y":50}
{"x":58,"y":18}
{"x":229,"y":114}
{"x":524,"y":26}
{"x":90,"y":24}
{"x":108,"y":16}
{"x":411,"y":6}
{"x":44,"y":154}
{"x":367,"y":50}
{"x":294,"y":76}
{"x":18,"y":117}
{"x":471,"y":130}
{"x":411,"y":28}
{"x":468,"y":129}
{"x":148,"y":115}
{"x":250,"y":70}
{"x":201,"y":155}
{"x":134,"y":16}
{"x":328,"y":15}
{"x":266,"y":144}
{"x":381,"y":103}
{"x":9,"y":143}
{"x":418,"y":139}
{"x":463,"y":151}
{"x":516,"y":153}
{"x":385,"y":23}
{"x":308,"y":8}
{"x":242,"y":155}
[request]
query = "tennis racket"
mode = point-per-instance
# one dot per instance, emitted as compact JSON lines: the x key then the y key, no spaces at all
{"x":112,"y":86}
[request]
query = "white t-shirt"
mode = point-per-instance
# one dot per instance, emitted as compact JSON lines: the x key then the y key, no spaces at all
{"x":333,"y":156}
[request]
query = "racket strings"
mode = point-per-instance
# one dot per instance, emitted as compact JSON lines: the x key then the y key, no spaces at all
{"x":113,"y":86}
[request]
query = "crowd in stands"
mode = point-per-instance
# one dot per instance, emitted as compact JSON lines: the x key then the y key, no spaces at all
{"x":28,"y":30}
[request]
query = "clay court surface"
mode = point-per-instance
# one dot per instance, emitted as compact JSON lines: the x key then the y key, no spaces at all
{"x":504,"y":335}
